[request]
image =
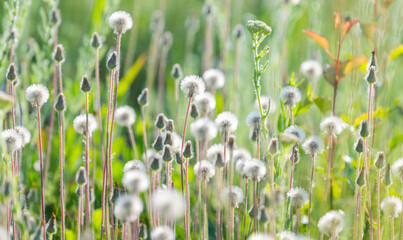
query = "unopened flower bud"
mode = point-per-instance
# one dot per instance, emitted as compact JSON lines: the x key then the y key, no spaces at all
{"x":160,"y":121}
{"x":96,"y":40}
{"x":58,"y":54}
{"x":364,"y":129}
{"x":176,"y":71}
{"x":85,"y":84}
{"x":188,"y":151}
{"x":55,"y":17}
{"x":359,"y":145}
{"x":273,"y":147}
{"x":231,"y":142}
{"x":115,"y":193}
{"x":387,"y":180}
{"x":51,"y":227}
{"x":60,"y":104}
{"x":158,"y":145}
{"x":11,"y":73}
{"x":194,"y":112}
{"x":371,"y":75}
{"x":168,"y":139}
{"x":361,"y":178}
{"x":166,"y":154}
{"x":112,"y":61}
{"x":170,"y":125}
{"x":142,"y":99}
{"x":81,"y":179}
{"x":380,"y":160}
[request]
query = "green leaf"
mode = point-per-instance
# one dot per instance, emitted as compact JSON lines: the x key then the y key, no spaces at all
{"x":128,"y":79}
{"x":302,"y":107}
{"x":324,"y":104}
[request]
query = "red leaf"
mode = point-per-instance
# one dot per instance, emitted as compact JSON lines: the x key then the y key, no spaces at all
{"x":337,"y":20}
{"x":347,"y":26}
{"x":322,"y":41}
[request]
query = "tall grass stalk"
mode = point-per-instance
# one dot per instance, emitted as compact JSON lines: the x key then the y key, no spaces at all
{"x":41,"y":169}
{"x":87,"y":166}
{"x":367,"y":161}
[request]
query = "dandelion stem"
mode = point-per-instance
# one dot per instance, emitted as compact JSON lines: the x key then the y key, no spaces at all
{"x":132,"y":142}
{"x":296,"y":225}
{"x":392,"y":228}
{"x":310,"y":195}
{"x":366,"y":160}
{"x":357,"y":196}
{"x":87,"y":165}
{"x":245,"y":208}
{"x":187,"y":219}
{"x":183,"y":141}
{"x":254,"y":207}
{"x":205,"y":217}
{"x":41,"y":166}
{"x":61,"y":166}
{"x":378,"y":196}
{"x":292,"y":166}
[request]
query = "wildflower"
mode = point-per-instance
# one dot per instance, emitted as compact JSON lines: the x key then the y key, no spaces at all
{"x":160,"y":121}
{"x":203,"y":129}
{"x":81,"y":178}
{"x":311,"y":69}
{"x":290,"y":95}
{"x":162,"y":233}
{"x":125,"y":116}
{"x":265,"y":101}
{"x":79,"y":124}
{"x":12,"y":140}
{"x":96,"y":41}
{"x":205,"y":102}
{"x":168,"y":203}
{"x":234,"y":197}
{"x":176,"y":71}
{"x":391,"y":206}
{"x":135,"y":165}
{"x":85,"y":85}
{"x":258,"y":27}
{"x":192,"y":86}
{"x":226,"y":122}
{"x":60,"y":104}
{"x":255,"y":169}
{"x":128,"y":208}
{"x":313,"y":145}
{"x":204,"y":170}
{"x":215,"y":154}
{"x":332,"y":223}
{"x":11,"y":74}
{"x":58,"y":54}
{"x":120,"y":21}
{"x":397,"y":168}
{"x":142,"y":99}
{"x":25,"y":135}
{"x":214,"y":78}
{"x":135,"y":181}
{"x":37,"y":94}
{"x":112,"y":61}
{"x":297,"y":132}
{"x":380,"y":160}
{"x":260,"y":236}
{"x":298,"y":197}
{"x":254,"y":120}
{"x":332,"y":125}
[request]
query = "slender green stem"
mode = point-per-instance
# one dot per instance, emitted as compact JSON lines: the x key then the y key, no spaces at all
{"x":310,"y":195}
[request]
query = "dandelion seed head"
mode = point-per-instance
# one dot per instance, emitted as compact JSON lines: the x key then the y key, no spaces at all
{"x":128,"y":208}
{"x":79,"y":124}
{"x":135,"y":181}
{"x":240,"y":167}
{"x":298,"y":197}
{"x":205,"y":102}
{"x":297,"y":132}
{"x":241,"y":154}
{"x":215,"y":154}
{"x":134,"y":164}
{"x":254,"y":120}
{"x":260,"y":236}
{"x":397,"y":168}
{"x":391,"y":206}
{"x":162,"y":233}
{"x":24,"y":133}
{"x":233,"y":197}
{"x":311,"y":69}
{"x":192,"y":86}
{"x":12,"y":140}
{"x":226,"y":122}
{"x":332,"y":125}
{"x":204,"y":170}
{"x":37,"y":95}
{"x":120,"y":21}
{"x":168,"y":203}
{"x":203,"y":129}
{"x":255,"y":169}
{"x":332,"y":223}
{"x":313,"y":145}
{"x":125,"y":116}
{"x":264,"y":102}
{"x":290,"y":95}
{"x":214,"y":78}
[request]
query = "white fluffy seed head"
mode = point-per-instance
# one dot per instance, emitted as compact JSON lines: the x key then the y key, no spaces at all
{"x":240,"y":167}
{"x":24,"y":133}
{"x":162,"y":233}
{"x":125,"y":116}
{"x":313,"y":145}
{"x":226,"y":122}
{"x":311,"y":69}
{"x":37,"y":95}
{"x":203,"y":129}
{"x":332,"y":125}
{"x":290,"y":96}
{"x":332,"y":223}
{"x":192,"y":86}
{"x":214,"y":78}
{"x":204,"y":170}
{"x":168,"y":204}
{"x":241,"y":154}
{"x":298,"y":197}
{"x":255,"y":169}
{"x":128,"y":208}
{"x":12,"y":140}
{"x":233,"y":197}
{"x":397,"y":168}
{"x":120,"y":21}
{"x":297,"y":132}
{"x":79,"y":124}
{"x":264,"y":101}
{"x":254,"y":120}
{"x":260,"y":236}
{"x":135,"y":165}
{"x":391,"y":206}
{"x":135,"y":181}
{"x":215,"y":154}
{"x":205,"y":102}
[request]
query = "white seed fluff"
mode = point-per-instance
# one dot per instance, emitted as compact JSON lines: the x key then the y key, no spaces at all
{"x":313,"y":145}
{"x":241,"y":154}
{"x":125,"y":116}
{"x":233,"y":197}
{"x":37,"y":94}
{"x":332,"y":223}
{"x":168,"y":204}
{"x":192,"y":86}
{"x":397,"y":168}
{"x":24,"y":133}
{"x":287,"y":235}
{"x":264,"y":101}
{"x":204,"y":170}
{"x":311,"y":69}
{"x":128,"y":208}
{"x":255,"y":169}
{"x":297,"y":132}
{"x":332,"y":125}
{"x":135,"y":164}
{"x":135,"y":181}
{"x":226,"y":122}
{"x":260,"y":236}
{"x":162,"y":233}
{"x":79,"y":124}
{"x":12,"y":140}
{"x":215,"y":154}
{"x":203,"y":129}
{"x":240,"y":167}
{"x":290,"y":96}
{"x":205,"y":102}
{"x":298,"y":197}
{"x":254,"y":120}
{"x":391,"y":206}
{"x":214,"y":78}
{"x":120,"y":21}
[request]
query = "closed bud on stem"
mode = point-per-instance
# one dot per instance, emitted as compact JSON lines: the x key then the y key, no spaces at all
{"x":273,"y":147}
{"x":55,"y":17}
{"x":11,"y":73}
{"x":112,"y":61}
{"x":361,"y":178}
{"x":188,"y":151}
{"x":359,"y":145}
{"x":232,"y":142}
{"x":170,"y":125}
{"x":96,"y":40}
{"x":262,"y":215}
{"x":60,"y":104}
{"x":142,"y":99}
{"x":158,"y":145}
{"x":85,"y":84}
{"x":167,"y":155}
{"x":116,"y":193}
{"x":58,"y":54}
{"x":380,"y":160}
{"x":178,"y":158}
{"x":364,"y":129}
{"x":160,"y":121}
{"x":51,"y":227}
{"x":176,"y":71}
{"x":81,"y":179}
{"x":371,"y":75}
{"x":7,"y":188}
{"x":194,"y":112}
{"x":168,"y":139}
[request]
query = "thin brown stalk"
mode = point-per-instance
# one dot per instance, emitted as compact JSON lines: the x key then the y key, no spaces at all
{"x":41,"y":167}
{"x":310,"y":195}
{"x":87,"y":166}
{"x":296,"y":225}
{"x":245,"y":208}
{"x":255,"y":223}
{"x":61,"y":167}
{"x":378,"y":197}
{"x":292,"y":166}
